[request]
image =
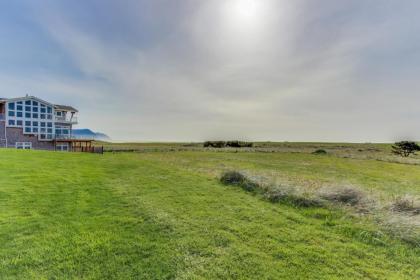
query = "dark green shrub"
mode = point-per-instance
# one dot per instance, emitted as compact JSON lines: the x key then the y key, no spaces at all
{"x":232,"y":178}
{"x":238,"y":179}
{"x":405,"y":148}
{"x":231,"y":144}
{"x":214,"y":144}
{"x":320,"y":152}
{"x":239,"y":144}
{"x":249,"y":186}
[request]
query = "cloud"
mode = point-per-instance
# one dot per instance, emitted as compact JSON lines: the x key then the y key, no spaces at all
{"x":294,"y":70}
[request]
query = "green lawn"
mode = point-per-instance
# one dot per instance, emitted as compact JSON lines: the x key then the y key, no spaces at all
{"x":165,"y":215}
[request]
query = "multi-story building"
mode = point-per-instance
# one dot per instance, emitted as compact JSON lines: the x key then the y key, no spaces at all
{"x":31,"y":123}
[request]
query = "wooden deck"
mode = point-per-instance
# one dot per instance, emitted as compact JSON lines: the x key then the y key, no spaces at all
{"x":80,"y":145}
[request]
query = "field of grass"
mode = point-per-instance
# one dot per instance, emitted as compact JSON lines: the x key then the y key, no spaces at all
{"x":161,"y":213}
{"x":377,"y":151}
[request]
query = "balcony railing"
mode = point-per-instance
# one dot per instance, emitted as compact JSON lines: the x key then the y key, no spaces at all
{"x":71,"y":137}
{"x":72,"y":120}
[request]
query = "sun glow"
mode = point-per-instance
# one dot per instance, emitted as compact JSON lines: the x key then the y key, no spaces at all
{"x":239,"y":28}
{"x":245,"y":14}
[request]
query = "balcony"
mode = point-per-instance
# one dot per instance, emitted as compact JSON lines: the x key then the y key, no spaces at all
{"x":68,"y":120}
{"x":72,"y":137}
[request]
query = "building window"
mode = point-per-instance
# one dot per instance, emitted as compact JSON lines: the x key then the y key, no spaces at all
{"x":43,"y":110}
{"x":34,"y":123}
{"x":49,"y":124}
{"x":63,"y":147}
{"x":12,"y":122}
{"x":49,"y":117}
{"x":11,"y":113}
{"x":28,"y":102}
{"x":19,"y":107}
{"x":27,"y":108}
{"x":42,"y":124}
{"x":43,"y":116}
{"x":11,"y":106}
{"x":35,"y":115}
{"x":27,"y":130}
{"x":23,"y":145}
{"x":35,"y":109}
{"x":27,"y":123}
{"x":28,"y":115}
{"x":19,"y":114}
{"x":34,"y":103}
{"x":19,"y":123}
{"x":49,"y":110}
{"x":62,"y":132}
{"x":35,"y":129}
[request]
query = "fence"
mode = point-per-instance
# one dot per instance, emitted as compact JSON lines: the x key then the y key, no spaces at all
{"x":96,"y":150}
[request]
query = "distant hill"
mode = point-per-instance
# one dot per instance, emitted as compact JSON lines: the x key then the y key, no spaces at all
{"x":89,"y":134}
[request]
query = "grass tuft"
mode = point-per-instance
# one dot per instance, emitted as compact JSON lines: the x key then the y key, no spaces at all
{"x":405,"y":205}
{"x":346,"y":195}
{"x":291,"y":196}
{"x":275,"y":194}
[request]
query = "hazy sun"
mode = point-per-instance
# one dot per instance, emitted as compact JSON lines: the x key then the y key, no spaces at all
{"x":245,"y":13}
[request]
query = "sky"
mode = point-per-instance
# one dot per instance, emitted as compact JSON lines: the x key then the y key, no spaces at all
{"x":191,"y":70}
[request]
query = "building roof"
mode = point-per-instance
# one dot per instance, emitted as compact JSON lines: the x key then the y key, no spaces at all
{"x":58,"y":107}
{"x":65,"y":108}
{"x":28,"y":97}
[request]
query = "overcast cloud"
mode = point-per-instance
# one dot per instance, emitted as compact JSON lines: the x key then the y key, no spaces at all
{"x":190,"y":70}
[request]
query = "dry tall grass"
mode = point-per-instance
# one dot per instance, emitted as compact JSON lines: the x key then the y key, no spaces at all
{"x":401,"y":219}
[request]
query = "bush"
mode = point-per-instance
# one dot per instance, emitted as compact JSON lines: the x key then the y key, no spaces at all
{"x":345,"y":195}
{"x":232,"y":178}
{"x":214,"y":144}
{"x":405,"y":148}
{"x":238,"y":179}
{"x":231,"y":144}
{"x":239,"y":144}
{"x":320,"y":152}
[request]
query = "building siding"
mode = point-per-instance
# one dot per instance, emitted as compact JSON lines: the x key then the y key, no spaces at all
{"x":16,"y":135}
{"x":2,"y":136}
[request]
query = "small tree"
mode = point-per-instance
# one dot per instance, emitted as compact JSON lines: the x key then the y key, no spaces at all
{"x":405,"y":148}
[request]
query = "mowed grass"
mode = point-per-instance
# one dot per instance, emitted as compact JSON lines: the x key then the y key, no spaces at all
{"x":166,"y":216}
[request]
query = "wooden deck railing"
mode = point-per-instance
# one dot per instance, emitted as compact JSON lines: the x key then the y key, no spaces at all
{"x":96,"y":150}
